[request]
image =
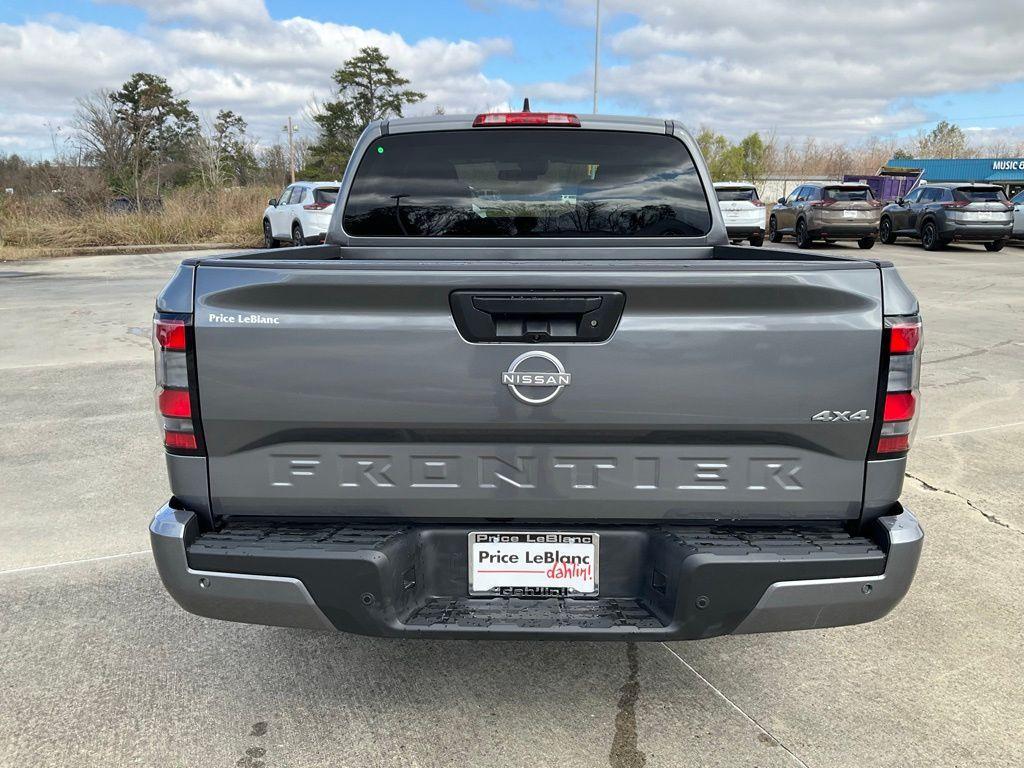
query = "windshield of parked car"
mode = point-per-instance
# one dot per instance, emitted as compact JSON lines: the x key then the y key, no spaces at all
{"x":326,"y":195}
{"x":980,"y":195}
{"x":734,"y":194}
{"x":526,"y":182}
{"x":847,"y":194}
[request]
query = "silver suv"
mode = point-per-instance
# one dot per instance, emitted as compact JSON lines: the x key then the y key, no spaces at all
{"x":1018,"y":215}
{"x":826,"y":211}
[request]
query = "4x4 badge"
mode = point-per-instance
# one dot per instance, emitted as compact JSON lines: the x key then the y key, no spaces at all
{"x":861,"y":415}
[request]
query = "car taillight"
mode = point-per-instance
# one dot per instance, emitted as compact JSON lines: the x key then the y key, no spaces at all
{"x":822,"y":203}
{"x":316,"y":206}
{"x":957,"y":204}
{"x":176,"y":400}
{"x":899,"y":408}
{"x":499,"y":119}
{"x":758,"y":203}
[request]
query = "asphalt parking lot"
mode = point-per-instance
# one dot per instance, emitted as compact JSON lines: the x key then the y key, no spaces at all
{"x":98,"y":666}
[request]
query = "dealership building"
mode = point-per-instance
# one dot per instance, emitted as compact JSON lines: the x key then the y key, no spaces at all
{"x":1008,"y":172}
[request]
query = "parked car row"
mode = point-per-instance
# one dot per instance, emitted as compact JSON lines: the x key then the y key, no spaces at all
{"x":935,"y":214}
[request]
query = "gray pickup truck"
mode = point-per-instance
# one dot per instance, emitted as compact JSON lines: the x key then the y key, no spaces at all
{"x":527,"y":389}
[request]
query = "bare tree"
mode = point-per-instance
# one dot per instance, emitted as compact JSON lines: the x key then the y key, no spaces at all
{"x":221,"y":153}
{"x":103,"y":141}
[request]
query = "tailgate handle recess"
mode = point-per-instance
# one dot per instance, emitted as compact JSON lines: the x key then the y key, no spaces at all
{"x":536,"y":316}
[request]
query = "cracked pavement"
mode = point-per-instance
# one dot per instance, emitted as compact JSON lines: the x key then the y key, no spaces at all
{"x":98,"y":666}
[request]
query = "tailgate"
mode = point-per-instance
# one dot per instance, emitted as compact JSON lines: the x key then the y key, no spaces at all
{"x":346,"y":388}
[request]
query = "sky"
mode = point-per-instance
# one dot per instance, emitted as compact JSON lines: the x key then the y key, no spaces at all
{"x":796,"y":68}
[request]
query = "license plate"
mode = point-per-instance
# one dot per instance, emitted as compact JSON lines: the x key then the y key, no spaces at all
{"x":533,"y":564}
{"x":850,"y":214}
{"x":981,"y":215}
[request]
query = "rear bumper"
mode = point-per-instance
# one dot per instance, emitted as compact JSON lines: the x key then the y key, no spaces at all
{"x":744,"y":231}
{"x":982,"y":232}
{"x":841,"y":231}
{"x":658,"y":582}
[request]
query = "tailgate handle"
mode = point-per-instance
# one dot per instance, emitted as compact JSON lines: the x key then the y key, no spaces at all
{"x":536,"y":316}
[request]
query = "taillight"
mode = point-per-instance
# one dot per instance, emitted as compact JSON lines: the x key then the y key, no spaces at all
{"x":555,"y":119}
{"x":822,"y":203}
{"x":899,"y":408}
{"x":169,"y":332}
{"x":957,"y":204}
{"x":758,"y":203}
{"x":176,"y":401}
{"x":316,"y":206}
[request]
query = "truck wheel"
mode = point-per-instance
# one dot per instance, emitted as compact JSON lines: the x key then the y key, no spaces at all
{"x":297,"y":237}
{"x":885,"y":232}
{"x":803,"y":237}
{"x":268,"y":236}
{"x":930,"y":237}
{"x":757,"y":240}
{"x":773,"y":231}
{"x":865,"y":243}
{"x":995,"y":246}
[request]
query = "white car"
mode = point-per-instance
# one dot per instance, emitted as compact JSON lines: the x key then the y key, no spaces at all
{"x":301,"y":214}
{"x":742,"y":210}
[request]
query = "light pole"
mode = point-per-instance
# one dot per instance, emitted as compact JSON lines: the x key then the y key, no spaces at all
{"x":291,"y":146}
{"x":597,"y":48}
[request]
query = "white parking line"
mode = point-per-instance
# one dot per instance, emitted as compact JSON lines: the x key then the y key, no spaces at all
{"x":735,"y":706}
{"x":972,"y":431}
{"x":74,"y":562}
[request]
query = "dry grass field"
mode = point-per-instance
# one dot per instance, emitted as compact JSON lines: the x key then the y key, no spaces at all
{"x":43,"y":225}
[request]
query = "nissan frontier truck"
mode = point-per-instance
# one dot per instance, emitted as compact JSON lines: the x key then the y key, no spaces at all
{"x":527,"y":389}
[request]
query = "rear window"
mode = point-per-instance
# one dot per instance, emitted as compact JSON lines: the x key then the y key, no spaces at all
{"x":979,"y":194}
{"x":527,"y":182}
{"x":847,"y":194}
{"x":326,"y":195}
{"x":736,"y":195}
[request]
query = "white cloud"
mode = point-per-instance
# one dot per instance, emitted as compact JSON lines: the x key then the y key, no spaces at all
{"x":803,"y":67}
{"x":207,"y":12}
{"x":226,"y":54}
{"x":798,"y":67}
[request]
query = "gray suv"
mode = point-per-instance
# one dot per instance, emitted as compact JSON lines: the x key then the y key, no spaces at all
{"x":826,"y":211}
{"x":939,"y":214}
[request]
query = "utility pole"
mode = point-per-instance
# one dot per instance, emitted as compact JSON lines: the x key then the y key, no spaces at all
{"x":597,"y":49}
{"x":291,"y":146}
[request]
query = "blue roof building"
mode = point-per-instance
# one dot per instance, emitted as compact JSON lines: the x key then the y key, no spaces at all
{"x":1007,"y":171}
